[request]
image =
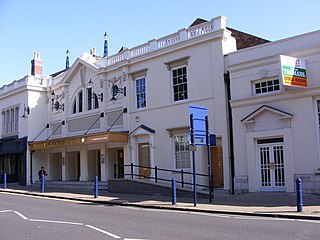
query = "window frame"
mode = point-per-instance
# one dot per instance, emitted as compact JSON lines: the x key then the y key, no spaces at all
{"x":186,"y":152}
{"x":143,"y":103}
{"x":10,"y":120}
{"x":184,"y":84}
{"x":267,"y":86}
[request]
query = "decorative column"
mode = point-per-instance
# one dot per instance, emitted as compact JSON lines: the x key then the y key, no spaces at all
{"x":151,"y":147}
{"x":63,"y":165}
{"x":103,"y":163}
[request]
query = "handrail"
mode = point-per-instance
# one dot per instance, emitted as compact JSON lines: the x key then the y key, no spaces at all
{"x":120,"y":174}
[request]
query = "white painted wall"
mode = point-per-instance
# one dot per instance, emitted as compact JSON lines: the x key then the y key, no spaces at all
{"x":301,"y":137}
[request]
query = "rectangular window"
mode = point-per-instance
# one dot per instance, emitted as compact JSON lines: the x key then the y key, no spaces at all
{"x":141,"y":92}
{"x":3,"y":121}
{"x":267,"y":86}
{"x":16,"y":119}
{"x":80,"y":101}
{"x":10,"y":121}
{"x":181,"y":151}
{"x":89,"y":98}
{"x":180,"y":87}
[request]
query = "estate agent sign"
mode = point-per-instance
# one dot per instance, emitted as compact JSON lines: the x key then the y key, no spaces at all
{"x":293,"y":72}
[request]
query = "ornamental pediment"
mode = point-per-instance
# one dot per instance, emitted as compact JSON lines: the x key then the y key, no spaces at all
{"x":267,"y":118}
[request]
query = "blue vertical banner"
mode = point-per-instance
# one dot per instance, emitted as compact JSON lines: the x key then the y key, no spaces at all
{"x":199,"y":125}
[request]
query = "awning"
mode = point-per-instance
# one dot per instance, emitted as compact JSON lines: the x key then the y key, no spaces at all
{"x":105,"y":137}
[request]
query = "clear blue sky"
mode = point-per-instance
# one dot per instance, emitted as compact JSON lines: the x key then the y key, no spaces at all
{"x":52,"y":26}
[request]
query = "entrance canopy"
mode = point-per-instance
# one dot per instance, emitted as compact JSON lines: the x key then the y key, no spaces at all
{"x":105,"y":137}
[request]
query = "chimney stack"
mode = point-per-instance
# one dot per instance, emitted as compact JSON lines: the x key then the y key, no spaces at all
{"x":36,"y":64}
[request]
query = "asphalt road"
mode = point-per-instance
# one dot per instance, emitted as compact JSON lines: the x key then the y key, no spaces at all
{"x":26,"y":217}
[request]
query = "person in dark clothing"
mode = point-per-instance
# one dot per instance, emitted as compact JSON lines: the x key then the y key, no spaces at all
{"x":41,"y":173}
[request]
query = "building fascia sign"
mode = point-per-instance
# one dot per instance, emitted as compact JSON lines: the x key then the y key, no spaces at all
{"x":293,"y":72}
{"x":79,"y":140}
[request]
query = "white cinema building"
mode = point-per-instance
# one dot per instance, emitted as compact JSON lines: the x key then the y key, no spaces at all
{"x":133,"y":108}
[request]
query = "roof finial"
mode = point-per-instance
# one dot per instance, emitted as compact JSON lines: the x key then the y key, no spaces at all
{"x":105,"y":48}
{"x":67,"y":58}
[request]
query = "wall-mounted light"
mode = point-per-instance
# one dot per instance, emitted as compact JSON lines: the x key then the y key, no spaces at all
{"x":56,"y":101}
{"x":94,"y":94}
{"x":115,"y":91}
{"x":26,"y":111}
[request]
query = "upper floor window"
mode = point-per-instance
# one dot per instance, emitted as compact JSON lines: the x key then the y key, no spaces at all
{"x":180,"y":85}
{"x":181,"y":151}
{"x":10,"y":121}
{"x":266,"y":86}
{"x":92,"y":102}
{"x":140,"y":92}
{"x":85,"y":97}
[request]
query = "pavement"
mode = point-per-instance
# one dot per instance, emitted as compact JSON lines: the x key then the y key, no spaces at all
{"x":279,"y":205}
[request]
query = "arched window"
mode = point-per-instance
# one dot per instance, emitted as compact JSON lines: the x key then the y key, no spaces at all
{"x":78,"y":104}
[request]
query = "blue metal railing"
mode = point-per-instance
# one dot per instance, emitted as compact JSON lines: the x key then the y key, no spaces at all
{"x":120,"y":173}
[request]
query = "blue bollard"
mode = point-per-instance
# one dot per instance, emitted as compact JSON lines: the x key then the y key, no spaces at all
{"x":174,"y":191}
{"x":299,"y":195}
{"x":42,"y":184}
{"x":4,"y":180}
{"x":96,"y":187}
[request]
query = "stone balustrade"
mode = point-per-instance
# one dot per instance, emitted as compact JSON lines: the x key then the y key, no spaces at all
{"x":172,"y":39}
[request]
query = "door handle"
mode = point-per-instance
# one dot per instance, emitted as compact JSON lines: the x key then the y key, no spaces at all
{"x":271,"y":165}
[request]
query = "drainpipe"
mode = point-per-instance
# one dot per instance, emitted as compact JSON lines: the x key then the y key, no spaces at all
{"x":230,"y":128}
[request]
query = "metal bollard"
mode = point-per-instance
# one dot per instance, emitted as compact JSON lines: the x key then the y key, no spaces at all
{"x":4,"y":180}
{"x":174,"y":191}
{"x":299,"y":195}
{"x":42,"y":184}
{"x":96,"y":187}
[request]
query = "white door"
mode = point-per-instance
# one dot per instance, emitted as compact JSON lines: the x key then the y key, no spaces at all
{"x":271,"y":161}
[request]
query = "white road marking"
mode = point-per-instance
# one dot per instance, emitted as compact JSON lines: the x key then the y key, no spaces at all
{"x":51,"y":221}
{"x":4,"y":211}
{"x":210,"y":214}
{"x":102,"y":231}
{"x":133,"y":239}
{"x":20,"y":215}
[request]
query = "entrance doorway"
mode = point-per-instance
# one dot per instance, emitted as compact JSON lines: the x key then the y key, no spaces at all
{"x":144,"y":160}
{"x":73,"y":166}
{"x":120,"y":159}
{"x":56,"y":163}
{"x":217,"y":166}
{"x":271,"y":161}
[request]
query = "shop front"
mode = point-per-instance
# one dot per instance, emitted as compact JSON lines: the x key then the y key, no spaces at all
{"x":13,"y":159}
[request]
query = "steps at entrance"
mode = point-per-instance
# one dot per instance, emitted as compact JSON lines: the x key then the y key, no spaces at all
{"x":145,"y":187}
{"x":71,"y":186}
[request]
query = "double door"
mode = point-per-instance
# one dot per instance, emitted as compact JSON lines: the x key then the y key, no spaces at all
{"x":271,"y":165}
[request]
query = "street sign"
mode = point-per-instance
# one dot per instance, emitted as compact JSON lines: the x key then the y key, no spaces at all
{"x":199,"y":124}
